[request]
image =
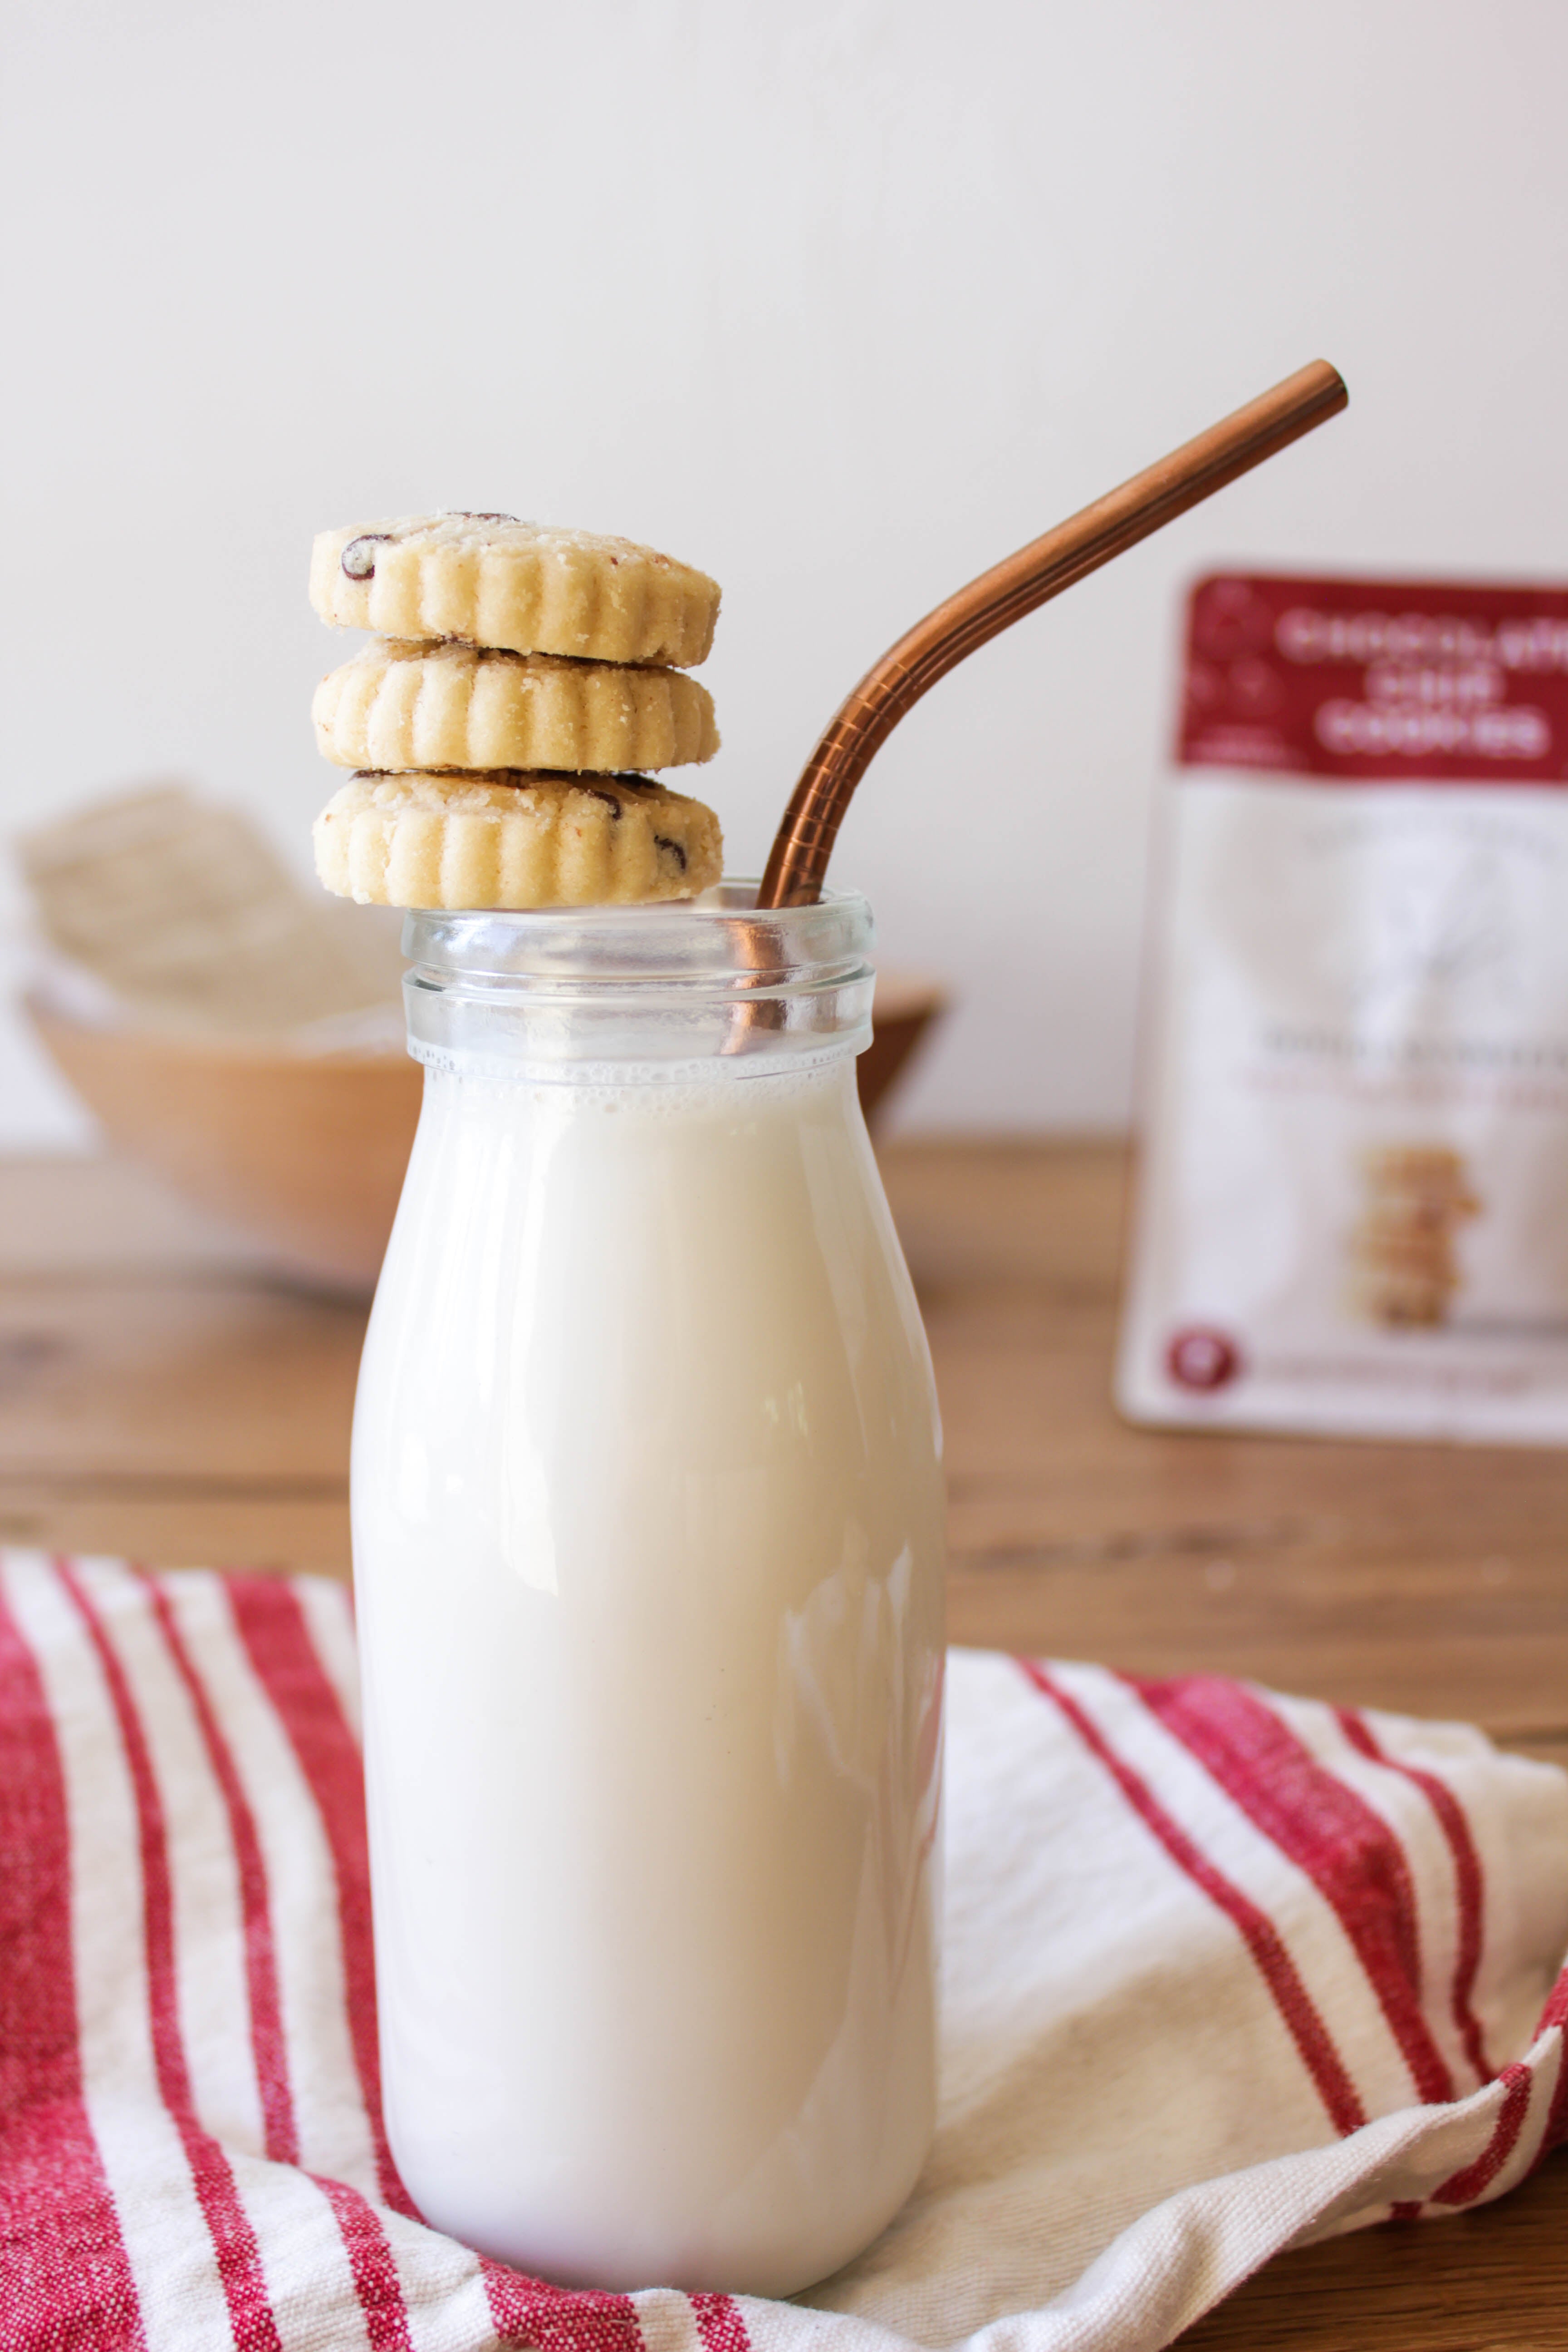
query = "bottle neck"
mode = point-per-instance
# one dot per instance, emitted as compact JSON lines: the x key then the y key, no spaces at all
{"x":615,"y":995}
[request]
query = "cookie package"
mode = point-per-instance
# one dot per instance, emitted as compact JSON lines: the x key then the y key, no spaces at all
{"x":1352,"y":1203}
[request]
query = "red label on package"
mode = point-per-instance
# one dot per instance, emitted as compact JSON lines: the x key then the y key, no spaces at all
{"x":1391,"y":680}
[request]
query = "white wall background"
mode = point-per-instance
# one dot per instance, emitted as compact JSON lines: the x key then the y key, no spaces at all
{"x":841,"y":300}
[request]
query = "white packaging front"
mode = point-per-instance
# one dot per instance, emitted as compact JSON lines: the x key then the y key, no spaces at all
{"x":1352,"y":1210}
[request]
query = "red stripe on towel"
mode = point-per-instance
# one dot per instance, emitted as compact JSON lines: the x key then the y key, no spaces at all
{"x":1257,"y":1931}
{"x":1349,"y":1853}
{"x":228,"y":2224}
{"x":1468,"y":1882}
{"x":371,"y":2263}
{"x":1464,"y":2186}
{"x":277,"y":1643}
{"x":268,"y":2046}
{"x":720,"y":2324}
{"x":1555,"y":2014}
{"x":65,"y":2278}
{"x":527,"y":2310}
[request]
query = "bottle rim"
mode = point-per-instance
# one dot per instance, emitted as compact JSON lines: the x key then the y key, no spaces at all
{"x":714,"y":942}
{"x":651,"y":991}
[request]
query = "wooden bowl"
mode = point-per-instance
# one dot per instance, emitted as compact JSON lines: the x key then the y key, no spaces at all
{"x":305,"y":1152}
{"x":907,"y":1004}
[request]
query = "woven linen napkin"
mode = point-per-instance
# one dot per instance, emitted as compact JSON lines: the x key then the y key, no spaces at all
{"x":1224,"y":1970}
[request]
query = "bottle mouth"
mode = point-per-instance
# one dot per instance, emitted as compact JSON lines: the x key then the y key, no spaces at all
{"x":693,"y":980}
{"x":716,"y":940}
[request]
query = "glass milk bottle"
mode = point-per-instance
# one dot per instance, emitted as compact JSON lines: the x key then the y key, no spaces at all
{"x":649,"y":1540}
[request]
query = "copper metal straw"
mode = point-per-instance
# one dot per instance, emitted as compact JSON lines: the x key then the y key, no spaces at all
{"x":797,"y":862}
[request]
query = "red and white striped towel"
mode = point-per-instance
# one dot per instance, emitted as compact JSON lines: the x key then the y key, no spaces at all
{"x":1223,"y":1970}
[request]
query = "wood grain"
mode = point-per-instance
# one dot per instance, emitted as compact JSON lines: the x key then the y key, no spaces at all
{"x":1492,"y":2280}
{"x":161,"y":1396}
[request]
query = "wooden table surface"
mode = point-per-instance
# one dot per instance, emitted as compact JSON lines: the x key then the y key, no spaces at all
{"x":161,"y":1396}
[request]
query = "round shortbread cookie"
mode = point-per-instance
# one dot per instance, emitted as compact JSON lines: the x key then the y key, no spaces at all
{"x":524,"y":587}
{"x":424,"y":840}
{"x":411,"y":706}
{"x":1422,"y":1257}
{"x":1403,"y":1303}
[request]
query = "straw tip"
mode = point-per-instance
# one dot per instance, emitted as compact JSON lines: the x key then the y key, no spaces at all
{"x":1332,"y":382}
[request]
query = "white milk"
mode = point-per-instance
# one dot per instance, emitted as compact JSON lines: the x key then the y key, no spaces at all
{"x":648,"y":1538}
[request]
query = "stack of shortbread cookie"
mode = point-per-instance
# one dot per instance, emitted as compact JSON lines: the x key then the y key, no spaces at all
{"x":1402,"y":1248}
{"x":519,"y":674}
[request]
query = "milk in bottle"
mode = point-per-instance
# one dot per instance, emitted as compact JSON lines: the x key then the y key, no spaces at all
{"x":648,"y":1538}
